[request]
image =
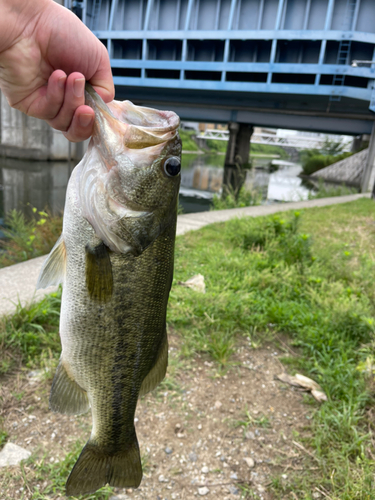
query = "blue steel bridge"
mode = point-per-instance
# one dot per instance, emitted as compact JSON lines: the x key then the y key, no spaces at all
{"x":279,"y":63}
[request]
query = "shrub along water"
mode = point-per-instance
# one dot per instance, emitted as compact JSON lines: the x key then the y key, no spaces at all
{"x":317,"y":162}
{"x":307,"y":275}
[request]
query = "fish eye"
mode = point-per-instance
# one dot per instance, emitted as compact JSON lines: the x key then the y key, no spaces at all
{"x":172,"y":166}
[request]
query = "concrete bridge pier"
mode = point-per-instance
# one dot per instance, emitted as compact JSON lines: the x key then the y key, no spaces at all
{"x":237,"y":157}
{"x":368,"y":177}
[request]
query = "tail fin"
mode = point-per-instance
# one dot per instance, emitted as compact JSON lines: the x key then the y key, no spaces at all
{"x":95,"y":468}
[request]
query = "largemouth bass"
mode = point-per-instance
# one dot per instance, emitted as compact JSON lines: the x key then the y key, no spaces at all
{"x":115,"y":261}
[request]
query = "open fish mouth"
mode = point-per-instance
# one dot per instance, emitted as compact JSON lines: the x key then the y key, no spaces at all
{"x":138,"y":127}
{"x":122,"y":167}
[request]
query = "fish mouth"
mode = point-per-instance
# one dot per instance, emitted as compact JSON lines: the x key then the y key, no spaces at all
{"x":127,"y":140}
{"x":123,"y":124}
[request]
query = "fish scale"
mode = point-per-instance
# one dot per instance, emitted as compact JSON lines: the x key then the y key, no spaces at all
{"x":115,"y":260}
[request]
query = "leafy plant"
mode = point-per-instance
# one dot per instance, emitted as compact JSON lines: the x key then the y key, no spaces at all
{"x":31,"y":333}
{"x":188,"y":143}
{"x":28,"y":238}
{"x":318,"y":161}
{"x":250,"y":421}
{"x":245,"y":198}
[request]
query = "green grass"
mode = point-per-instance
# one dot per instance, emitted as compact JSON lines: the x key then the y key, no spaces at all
{"x":309,"y":276}
{"x":34,"y":472}
{"x":30,"y":336}
{"x":306,"y":275}
{"x":327,"y":190}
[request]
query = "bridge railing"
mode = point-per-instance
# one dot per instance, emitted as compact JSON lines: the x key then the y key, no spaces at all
{"x":280,"y":139}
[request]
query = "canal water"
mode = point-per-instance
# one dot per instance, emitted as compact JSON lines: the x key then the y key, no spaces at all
{"x":43,"y":184}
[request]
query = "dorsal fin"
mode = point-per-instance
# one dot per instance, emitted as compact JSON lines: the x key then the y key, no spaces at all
{"x":53,"y":270}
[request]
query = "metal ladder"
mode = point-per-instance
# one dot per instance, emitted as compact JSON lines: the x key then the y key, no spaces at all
{"x":344,"y":47}
{"x":372,"y":102}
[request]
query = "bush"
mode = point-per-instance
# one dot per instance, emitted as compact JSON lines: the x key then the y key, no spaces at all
{"x":316,"y":162}
{"x":188,"y":143}
{"x":217,"y":146}
{"x":268,"y":149}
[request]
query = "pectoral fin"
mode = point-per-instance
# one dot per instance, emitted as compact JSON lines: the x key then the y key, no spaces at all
{"x":53,"y":270}
{"x":99,"y":279}
{"x":158,"y":371}
{"x":66,"y":395}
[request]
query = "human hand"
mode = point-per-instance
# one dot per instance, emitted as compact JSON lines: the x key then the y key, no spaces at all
{"x":46,"y":53}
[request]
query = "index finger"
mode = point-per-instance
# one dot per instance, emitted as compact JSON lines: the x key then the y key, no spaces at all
{"x":102,"y":80}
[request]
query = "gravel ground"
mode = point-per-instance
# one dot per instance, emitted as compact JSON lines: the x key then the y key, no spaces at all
{"x":201,"y":433}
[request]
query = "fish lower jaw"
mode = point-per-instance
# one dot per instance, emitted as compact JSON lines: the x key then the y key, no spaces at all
{"x":123,"y":211}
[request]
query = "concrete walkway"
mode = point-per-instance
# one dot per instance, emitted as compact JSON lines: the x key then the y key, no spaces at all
{"x":17,"y":283}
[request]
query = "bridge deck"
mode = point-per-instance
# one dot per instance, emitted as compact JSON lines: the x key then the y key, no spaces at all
{"x":262,"y":56}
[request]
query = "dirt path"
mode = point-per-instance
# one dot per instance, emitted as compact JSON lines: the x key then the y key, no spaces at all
{"x":190,"y":433}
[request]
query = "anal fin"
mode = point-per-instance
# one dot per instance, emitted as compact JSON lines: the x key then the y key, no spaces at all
{"x":99,"y":279}
{"x":158,"y":371}
{"x":66,"y":395}
{"x":53,"y":270}
{"x":96,"y":467}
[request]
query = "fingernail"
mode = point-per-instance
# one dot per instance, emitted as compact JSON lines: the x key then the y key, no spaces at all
{"x":61,"y":82}
{"x":79,"y":87}
{"x":85,"y":120}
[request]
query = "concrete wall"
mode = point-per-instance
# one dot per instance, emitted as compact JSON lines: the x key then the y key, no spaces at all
{"x":24,"y":137}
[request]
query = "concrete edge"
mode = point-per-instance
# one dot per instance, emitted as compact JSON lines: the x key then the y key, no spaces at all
{"x":191,"y":222}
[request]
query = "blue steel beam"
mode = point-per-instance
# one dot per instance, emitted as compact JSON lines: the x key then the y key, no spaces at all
{"x":236,"y":35}
{"x":276,"y":88}
{"x":226,"y":48}
{"x":290,"y":68}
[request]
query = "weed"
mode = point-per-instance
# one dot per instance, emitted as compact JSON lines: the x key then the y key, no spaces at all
{"x":30,"y":335}
{"x":325,"y":190}
{"x":245,"y":198}
{"x":3,"y":437}
{"x":308,"y":276}
{"x":28,"y":238}
{"x":250,"y":421}
{"x":56,"y":473}
{"x":247,"y":491}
